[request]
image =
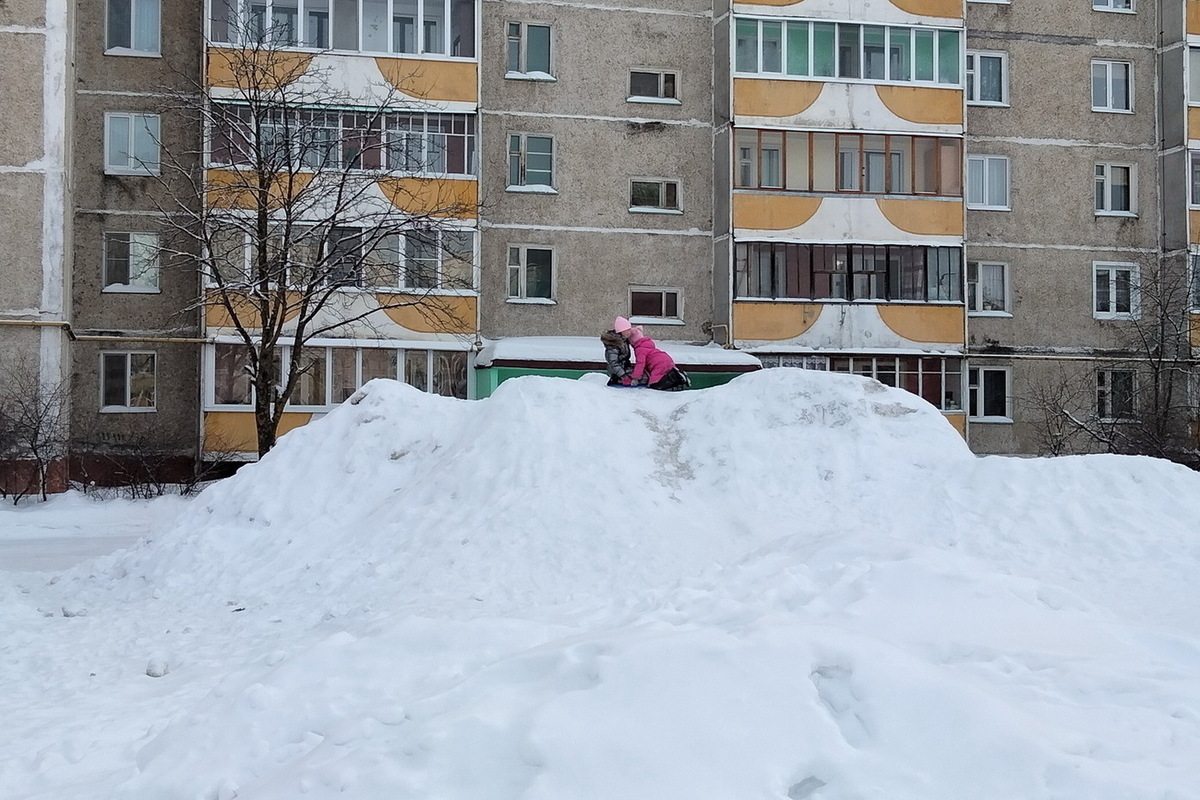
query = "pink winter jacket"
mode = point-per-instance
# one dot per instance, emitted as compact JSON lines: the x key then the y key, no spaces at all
{"x":649,"y":358}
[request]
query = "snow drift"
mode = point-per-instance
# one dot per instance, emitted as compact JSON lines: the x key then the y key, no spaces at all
{"x":799,"y":585}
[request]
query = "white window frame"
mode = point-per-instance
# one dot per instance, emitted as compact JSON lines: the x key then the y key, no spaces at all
{"x":663,"y":290}
{"x":129,"y":288}
{"x":983,"y":205}
{"x":661,"y":97}
{"x":971,"y":77}
{"x":1107,"y":210}
{"x":1112,"y":268}
{"x":522,"y":156}
{"x":664,"y":192}
{"x":523,"y":73}
{"x":522,"y":268}
{"x":1107,"y":106}
{"x":1193,"y":75}
{"x":981,"y":403}
{"x":137,"y":8}
{"x":132,"y":165}
{"x":976,"y":309}
{"x":1194,"y":178}
{"x":1106,"y":391}
{"x":126,"y":408}
{"x":1112,"y":6}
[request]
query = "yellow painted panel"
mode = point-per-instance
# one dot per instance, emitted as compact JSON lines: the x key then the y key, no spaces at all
{"x":921,"y":323}
{"x":756,"y":97}
{"x":923,"y":104}
{"x":235,"y":68}
{"x":217,"y":316}
{"x":1193,"y":16}
{"x":1193,"y":131}
{"x":432,"y":80}
{"x":433,"y":314}
{"x":959,"y":422}
{"x":948,"y":9}
{"x":233,"y":431}
{"x":773,"y":322}
{"x":926,"y":217}
{"x":773,"y":212}
{"x":1194,"y":330}
{"x":236,"y":188}
{"x":1194,"y":227}
{"x":455,"y":198}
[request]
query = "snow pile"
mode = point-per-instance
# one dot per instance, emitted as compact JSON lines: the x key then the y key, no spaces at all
{"x":799,"y":585}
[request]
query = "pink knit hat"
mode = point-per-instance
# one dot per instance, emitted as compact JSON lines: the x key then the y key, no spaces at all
{"x":620,"y":325}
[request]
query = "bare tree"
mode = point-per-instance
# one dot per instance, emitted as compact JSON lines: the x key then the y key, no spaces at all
{"x":312,"y":212}
{"x":33,"y":430}
{"x":1133,"y":398}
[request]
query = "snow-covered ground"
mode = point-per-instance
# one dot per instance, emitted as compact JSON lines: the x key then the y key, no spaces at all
{"x":798,"y":585}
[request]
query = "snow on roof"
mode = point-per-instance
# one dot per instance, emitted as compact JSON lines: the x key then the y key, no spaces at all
{"x":588,"y":349}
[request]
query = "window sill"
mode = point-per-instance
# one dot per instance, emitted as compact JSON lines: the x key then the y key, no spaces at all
{"x":987,"y":104}
{"x":532,"y":301}
{"x":999,"y":314}
{"x":1129,"y":11}
{"x":135,"y":173}
{"x":649,"y":210}
{"x":126,"y":410}
{"x":1114,"y":317}
{"x":125,"y":51}
{"x":1128,"y":111}
{"x":656,"y":321}
{"x":989,"y":208}
{"x":1127,"y":214}
{"x":117,"y":288}
{"x":536,"y":77}
{"x":535,"y":189}
{"x":657,"y":101}
{"x":992,"y":420}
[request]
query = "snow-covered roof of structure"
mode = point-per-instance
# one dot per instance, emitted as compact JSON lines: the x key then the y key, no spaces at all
{"x":588,"y":349}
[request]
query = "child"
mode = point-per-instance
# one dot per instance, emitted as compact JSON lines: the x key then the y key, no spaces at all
{"x":653,"y":366}
{"x":616,"y":356}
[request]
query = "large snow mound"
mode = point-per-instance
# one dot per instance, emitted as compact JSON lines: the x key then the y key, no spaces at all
{"x":798,"y":585}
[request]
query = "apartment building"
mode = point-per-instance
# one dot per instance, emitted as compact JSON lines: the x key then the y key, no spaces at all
{"x":35,"y":230}
{"x":976,"y":201}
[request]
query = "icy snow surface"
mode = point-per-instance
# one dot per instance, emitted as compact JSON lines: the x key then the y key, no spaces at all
{"x":798,"y":585}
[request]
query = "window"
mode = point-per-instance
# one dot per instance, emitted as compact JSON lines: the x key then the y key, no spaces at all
{"x":530,"y":272}
{"x":801,"y":161}
{"x":1194,"y":75}
{"x":987,"y":182}
{"x":133,"y":27}
{"x":131,"y":143}
{"x":653,"y":304}
{"x":528,"y":52}
{"x":987,"y":394}
{"x":987,"y":287}
{"x":1115,"y":189}
{"x":987,"y":78}
{"x":879,"y":273}
{"x":1194,"y":172}
{"x":410,"y":142}
{"x":530,"y":160}
{"x":1112,"y":5}
{"x":127,"y":382}
{"x":439,"y":27}
{"x":1112,"y":86}
{"x":937,"y":380}
{"x":1115,"y":395}
{"x":648,"y":85}
{"x":874,"y":53}
{"x":1194,"y":264}
{"x":653,"y":195}
{"x":130,"y":262}
{"x":1115,"y":288}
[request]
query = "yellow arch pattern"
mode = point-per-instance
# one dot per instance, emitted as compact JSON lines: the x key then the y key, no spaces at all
{"x":948,"y":9}
{"x":923,"y":105}
{"x":440,"y":314}
{"x":924,"y":217}
{"x":432,"y":80}
{"x":453,"y":198}
{"x":757,"y":97}
{"x":235,"y":68}
{"x":773,"y":212}
{"x":934,"y":324}
{"x":773,"y":322}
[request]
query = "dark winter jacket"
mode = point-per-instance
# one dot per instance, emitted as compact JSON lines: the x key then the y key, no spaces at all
{"x":616,"y":355}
